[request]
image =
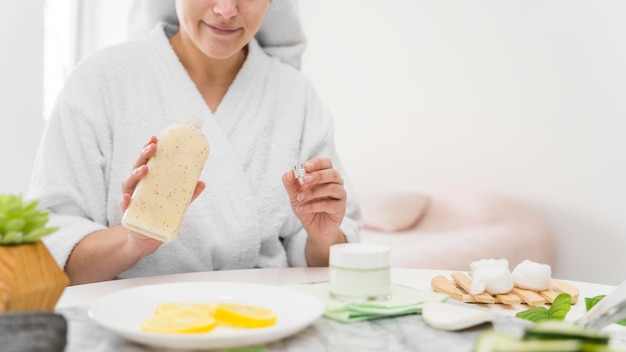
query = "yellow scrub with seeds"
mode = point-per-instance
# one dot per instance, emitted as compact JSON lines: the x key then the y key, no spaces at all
{"x":161,"y":198}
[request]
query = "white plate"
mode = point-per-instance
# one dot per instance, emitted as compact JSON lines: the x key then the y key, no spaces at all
{"x":125,"y":310}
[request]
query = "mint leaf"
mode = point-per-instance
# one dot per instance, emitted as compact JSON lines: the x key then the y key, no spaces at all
{"x":534,"y":314}
{"x":557,"y":311}
{"x":590,"y":302}
{"x":561,"y":305}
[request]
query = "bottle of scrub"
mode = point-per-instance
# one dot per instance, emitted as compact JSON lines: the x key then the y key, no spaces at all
{"x":161,"y":198}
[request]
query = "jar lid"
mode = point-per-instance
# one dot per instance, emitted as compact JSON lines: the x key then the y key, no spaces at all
{"x":359,"y":255}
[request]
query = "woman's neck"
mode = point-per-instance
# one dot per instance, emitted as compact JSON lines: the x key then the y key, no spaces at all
{"x":212,"y":76}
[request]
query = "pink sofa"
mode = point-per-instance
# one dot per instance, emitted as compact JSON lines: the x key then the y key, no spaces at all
{"x":449,"y":229}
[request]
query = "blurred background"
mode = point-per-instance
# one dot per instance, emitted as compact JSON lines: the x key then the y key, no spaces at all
{"x":522,"y":98}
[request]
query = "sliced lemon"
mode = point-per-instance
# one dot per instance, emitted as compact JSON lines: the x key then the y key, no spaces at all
{"x":244,"y":316}
{"x":180,"y":321}
{"x":165,"y":308}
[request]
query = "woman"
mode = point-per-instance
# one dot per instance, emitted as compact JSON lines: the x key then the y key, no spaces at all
{"x":281,"y":34}
{"x":260,"y":116}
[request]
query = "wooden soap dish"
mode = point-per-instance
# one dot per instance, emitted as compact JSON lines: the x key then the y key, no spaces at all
{"x":459,"y":287}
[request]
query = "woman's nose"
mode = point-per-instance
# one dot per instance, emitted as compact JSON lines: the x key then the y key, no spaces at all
{"x":226,"y":8}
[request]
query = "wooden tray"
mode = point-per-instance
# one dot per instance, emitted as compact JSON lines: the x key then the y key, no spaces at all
{"x":459,"y":287}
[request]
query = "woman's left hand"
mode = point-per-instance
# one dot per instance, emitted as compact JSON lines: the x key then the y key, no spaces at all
{"x":320,"y":204}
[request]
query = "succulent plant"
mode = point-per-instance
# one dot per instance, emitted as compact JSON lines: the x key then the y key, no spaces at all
{"x":21,"y":221}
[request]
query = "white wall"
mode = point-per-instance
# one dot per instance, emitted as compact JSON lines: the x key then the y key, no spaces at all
{"x":527,"y":98}
{"x":21,"y":91}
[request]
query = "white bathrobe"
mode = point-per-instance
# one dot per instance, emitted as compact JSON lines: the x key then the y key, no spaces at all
{"x":269,"y":120}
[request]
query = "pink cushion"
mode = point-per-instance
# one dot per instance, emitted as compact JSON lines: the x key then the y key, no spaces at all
{"x":462,"y":226}
{"x":394,"y":211}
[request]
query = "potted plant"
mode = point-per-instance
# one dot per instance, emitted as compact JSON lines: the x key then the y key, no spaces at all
{"x":30,"y":279}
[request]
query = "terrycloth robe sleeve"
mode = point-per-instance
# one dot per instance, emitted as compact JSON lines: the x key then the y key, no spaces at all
{"x":71,"y":170}
{"x":318,"y":141}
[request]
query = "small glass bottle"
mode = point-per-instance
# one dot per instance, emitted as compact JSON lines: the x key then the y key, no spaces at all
{"x":299,"y":172}
{"x":359,"y":272}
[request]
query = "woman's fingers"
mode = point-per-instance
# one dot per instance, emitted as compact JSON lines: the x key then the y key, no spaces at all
{"x":316,"y":164}
{"x":325,"y":205}
{"x":309,"y":201}
{"x":200,"y":186}
{"x":321,"y":191}
{"x":320,"y":171}
{"x":149,"y":149}
{"x":329,"y":190}
{"x":326,"y":176}
{"x":291,"y":184}
{"x":125,"y":201}
{"x":140,"y":169}
{"x":129,"y":184}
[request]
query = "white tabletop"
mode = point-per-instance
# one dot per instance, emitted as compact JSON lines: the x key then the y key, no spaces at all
{"x":84,"y":295}
{"x":400,"y":334}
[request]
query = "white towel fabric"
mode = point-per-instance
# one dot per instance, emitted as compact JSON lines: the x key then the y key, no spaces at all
{"x":115,"y":100}
{"x":281,"y":34}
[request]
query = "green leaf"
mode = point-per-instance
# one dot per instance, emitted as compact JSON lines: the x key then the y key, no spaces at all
{"x":12,"y":237}
{"x":561,"y":305}
{"x":3,"y":221}
{"x":35,"y":222}
{"x":30,"y":206}
{"x":590,"y":302}
{"x":21,"y":221}
{"x":4,"y":202}
{"x":557,"y":311}
{"x":36,"y":235}
{"x":15,"y":225}
{"x":534,"y":314}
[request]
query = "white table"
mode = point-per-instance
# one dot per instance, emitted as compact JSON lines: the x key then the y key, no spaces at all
{"x":85,"y":295}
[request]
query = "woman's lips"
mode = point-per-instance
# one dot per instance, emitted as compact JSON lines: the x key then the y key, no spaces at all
{"x":221,"y":30}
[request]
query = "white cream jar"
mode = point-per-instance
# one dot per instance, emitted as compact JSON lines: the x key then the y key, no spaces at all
{"x":359,"y":271}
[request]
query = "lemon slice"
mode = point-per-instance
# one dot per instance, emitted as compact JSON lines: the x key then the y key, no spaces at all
{"x":166,"y":308}
{"x":244,"y":316}
{"x":180,"y":321}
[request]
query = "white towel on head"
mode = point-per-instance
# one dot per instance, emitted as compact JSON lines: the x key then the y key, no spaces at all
{"x":281,"y":34}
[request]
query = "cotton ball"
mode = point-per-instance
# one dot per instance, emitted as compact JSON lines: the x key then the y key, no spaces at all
{"x":495,"y":279}
{"x":532,"y":276}
{"x":489,"y":262}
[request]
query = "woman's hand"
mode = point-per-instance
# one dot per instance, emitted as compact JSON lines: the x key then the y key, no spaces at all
{"x":137,"y":241}
{"x":104,"y":254}
{"x":320,"y":204}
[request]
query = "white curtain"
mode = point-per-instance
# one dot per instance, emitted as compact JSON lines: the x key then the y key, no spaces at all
{"x":99,"y":23}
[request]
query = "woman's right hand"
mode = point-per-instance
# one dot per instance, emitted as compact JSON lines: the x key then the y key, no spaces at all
{"x":137,"y":241}
{"x":105,"y":254}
